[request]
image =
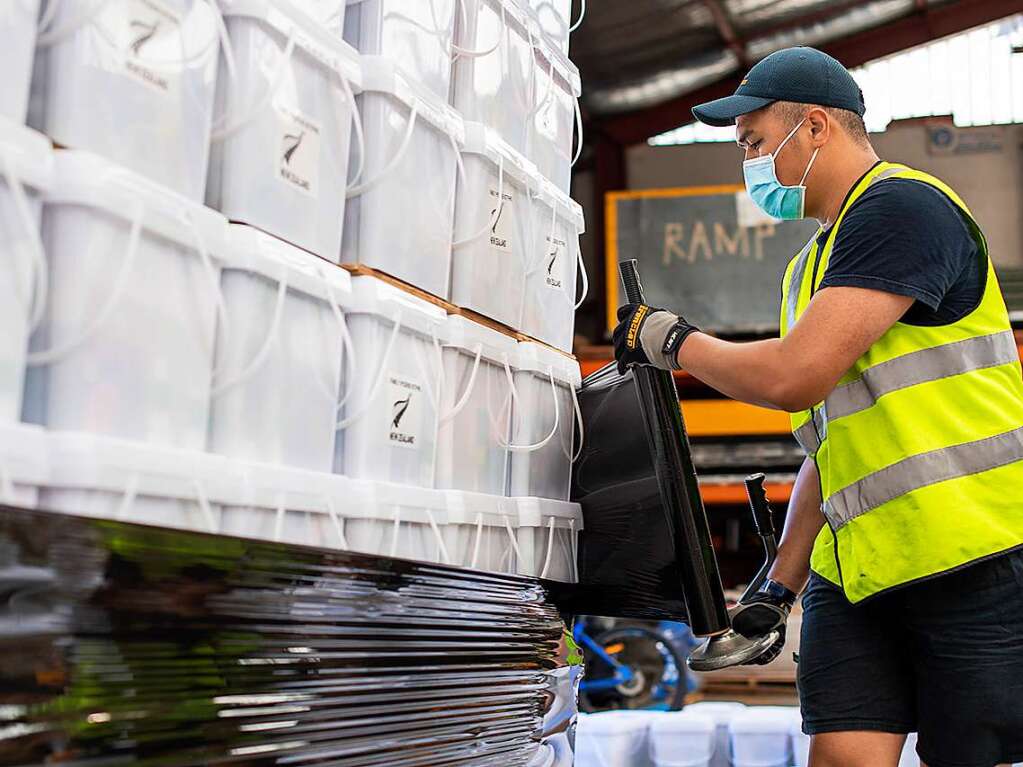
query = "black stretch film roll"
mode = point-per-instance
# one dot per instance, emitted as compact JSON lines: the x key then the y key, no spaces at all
{"x":680,"y":491}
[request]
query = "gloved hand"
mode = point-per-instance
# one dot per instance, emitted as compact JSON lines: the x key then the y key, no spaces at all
{"x":648,"y":336}
{"x":764,"y":611}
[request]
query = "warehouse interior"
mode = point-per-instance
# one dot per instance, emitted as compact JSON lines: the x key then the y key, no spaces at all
{"x":323,"y":441}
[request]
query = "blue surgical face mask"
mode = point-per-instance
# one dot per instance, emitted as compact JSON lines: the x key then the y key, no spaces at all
{"x":769,"y":194}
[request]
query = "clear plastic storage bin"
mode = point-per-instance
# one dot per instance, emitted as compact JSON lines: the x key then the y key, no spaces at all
{"x":130,"y":481}
{"x":400,"y":217}
{"x":555,"y":116}
{"x":543,"y":423}
{"x":760,"y":737}
{"x":555,"y":20}
{"x":329,"y":13}
{"x":682,"y":739}
{"x":26,"y":173}
{"x":492,"y":227}
{"x":398,"y":521}
{"x":285,"y":113}
{"x":722,"y":713}
{"x":125,"y":344}
{"x":415,"y":34}
{"x":277,"y":379}
{"x":482,"y":532}
{"x":494,"y":76}
{"x":24,"y":464}
{"x":548,"y":538}
{"x":388,"y":430}
{"x":613,"y":739}
{"x":475,"y":408}
{"x":133,"y":81}
{"x":17,"y":50}
{"x":555,"y":263}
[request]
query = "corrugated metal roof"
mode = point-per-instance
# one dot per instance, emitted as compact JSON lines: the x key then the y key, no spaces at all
{"x":639,"y":53}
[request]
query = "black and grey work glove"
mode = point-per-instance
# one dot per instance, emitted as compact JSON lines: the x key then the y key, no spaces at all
{"x":766,"y":610}
{"x":648,"y":336}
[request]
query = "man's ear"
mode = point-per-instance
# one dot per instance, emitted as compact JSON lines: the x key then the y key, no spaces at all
{"x":820,"y":126}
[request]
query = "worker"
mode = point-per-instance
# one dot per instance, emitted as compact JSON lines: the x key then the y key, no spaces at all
{"x":898,"y":365}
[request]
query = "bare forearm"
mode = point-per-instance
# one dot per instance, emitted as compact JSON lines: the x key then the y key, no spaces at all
{"x":758,"y":372}
{"x":802,"y":523}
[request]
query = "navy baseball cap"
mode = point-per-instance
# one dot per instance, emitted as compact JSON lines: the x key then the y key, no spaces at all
{"x":802,"y":75}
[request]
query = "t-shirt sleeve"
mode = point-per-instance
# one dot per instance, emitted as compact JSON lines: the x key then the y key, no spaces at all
{"x":903,"y":237}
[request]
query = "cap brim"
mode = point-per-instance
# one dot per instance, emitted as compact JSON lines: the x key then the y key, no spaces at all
{"x":724,"y":111}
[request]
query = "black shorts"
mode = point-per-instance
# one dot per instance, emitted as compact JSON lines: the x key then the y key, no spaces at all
{"x":943,"y":657}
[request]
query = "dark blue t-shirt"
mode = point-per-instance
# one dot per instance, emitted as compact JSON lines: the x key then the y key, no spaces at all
{"x":908,"y":238}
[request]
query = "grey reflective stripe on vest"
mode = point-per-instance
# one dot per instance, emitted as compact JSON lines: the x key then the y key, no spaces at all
{"x":810,"y":434}
{"x":796,"y":283}
{"x":922,"y":470}
{"x":918,"y":367}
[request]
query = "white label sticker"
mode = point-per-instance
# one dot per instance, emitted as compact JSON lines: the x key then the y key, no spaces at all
{"x":405,"y":413}
{"x":503,"y":216}
{"x":147,"y":36}
{"x":555,"y":257}
{"x":297,"y":162}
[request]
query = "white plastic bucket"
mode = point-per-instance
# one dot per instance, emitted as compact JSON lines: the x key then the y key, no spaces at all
{"x":481,"y":531}
{"x":545,"y":412}
{"x":400,"y":216}
{"x":555,"y":263}
{"x":555,"y":116}
{"x":329,"y":13}
{"x":277,"y":379}
{"x":682,"y":739}
{"x":800,"y":743}
{"x":494,"y":78}
{"x":415,"y":34}
{"x":24,"y":464}
{"x":492,"y":227}
{"x":130,"y":481}
{"x":17,"y":48}
{"x":548,"y":536}
{"x":125,"y":345}
{"x":760,"y":738}
{"x":285,"y":114}
{"x":26,"y":172}
{"x":388,"y":427}
{"x":722,"y":713}
{"x":476,"y":408}
{"x":613,"y":739}
{"x":398,"y":521}
{"x":555,"y":20}
{"x":293,"y":506}
{"x":133,"y":81}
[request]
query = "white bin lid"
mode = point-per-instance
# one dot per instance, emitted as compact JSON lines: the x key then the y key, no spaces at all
{"x":29,"y":152}
{"x":684,"y":722}
{"x":563,"y":66}
{"x":465,"y":335}
{"x":516,"y":12}
{"x":538,"y":512}
{"x":382,"y":75}
{"x":310,"y":34}
{"x":537,"y":358}
{"x":23,"y":454}
{"x":248,"y":249}
{"x":370,"y":499}
{"x":268,"y":485}
{"x":612,"y":724}
{"x":88,"y":462}
{"x":484,"y":141}
{"x":468,"y":508}
{"x":374,"y":296}
{"x":760,"y":720}
{"x":551,"y":196}
{"x":85,"y":179}
{"x":720,"y":711}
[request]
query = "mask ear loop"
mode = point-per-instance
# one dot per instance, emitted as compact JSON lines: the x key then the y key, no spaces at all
{"x":802,"y":181}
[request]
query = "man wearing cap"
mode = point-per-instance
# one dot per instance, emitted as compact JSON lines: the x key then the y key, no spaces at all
{"x":901,"y":374}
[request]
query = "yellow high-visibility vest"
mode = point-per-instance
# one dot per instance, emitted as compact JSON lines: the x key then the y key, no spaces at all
{"x":920,"y":445}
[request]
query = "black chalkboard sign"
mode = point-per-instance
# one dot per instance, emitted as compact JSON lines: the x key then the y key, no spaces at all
{"x":698,"y":259}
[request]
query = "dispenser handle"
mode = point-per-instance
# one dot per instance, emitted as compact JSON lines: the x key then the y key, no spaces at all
{"x":763,"y":517}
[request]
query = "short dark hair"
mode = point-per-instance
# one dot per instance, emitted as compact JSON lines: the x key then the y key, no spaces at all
{"x":851,"y":122}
